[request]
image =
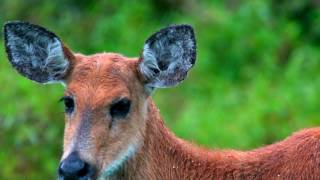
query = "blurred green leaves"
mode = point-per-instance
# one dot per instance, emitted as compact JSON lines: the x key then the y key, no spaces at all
{"x":255,"y":81}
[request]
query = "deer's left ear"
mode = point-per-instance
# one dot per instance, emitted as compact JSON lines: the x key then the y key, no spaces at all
{"x":167,"y":56}
{"x":36,"y":53}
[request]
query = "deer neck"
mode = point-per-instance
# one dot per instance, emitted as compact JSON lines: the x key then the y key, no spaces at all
{"x":163,"y":155}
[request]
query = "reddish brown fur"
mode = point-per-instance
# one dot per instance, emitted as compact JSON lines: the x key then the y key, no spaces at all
{"x":95,"y":81}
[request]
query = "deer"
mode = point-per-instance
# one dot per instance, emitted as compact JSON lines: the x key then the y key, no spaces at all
{"x":113,"y":129}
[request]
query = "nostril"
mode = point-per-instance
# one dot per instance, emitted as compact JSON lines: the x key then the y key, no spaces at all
{"x":84,"y":171}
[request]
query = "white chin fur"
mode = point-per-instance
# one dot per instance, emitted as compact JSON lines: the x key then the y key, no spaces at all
{"x":118,"y":162}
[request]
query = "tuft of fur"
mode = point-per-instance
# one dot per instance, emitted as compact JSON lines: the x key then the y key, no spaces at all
{"x":168,"y":55}
{"x":35,"y":52}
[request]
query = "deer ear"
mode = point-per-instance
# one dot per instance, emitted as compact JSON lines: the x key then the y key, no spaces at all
{"x":35,"y":52}
{"x":167,"y":56}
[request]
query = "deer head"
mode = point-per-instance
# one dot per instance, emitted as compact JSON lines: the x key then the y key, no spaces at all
{"x":106,"y":94}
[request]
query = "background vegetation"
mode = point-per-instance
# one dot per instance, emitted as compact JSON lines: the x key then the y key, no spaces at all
{"x":255,"y":82}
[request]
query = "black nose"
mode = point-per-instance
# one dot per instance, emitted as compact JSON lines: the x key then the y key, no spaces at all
{"x":73,"y":167}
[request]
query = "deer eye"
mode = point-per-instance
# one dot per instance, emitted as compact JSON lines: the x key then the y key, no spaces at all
{"x":120,"y":108}
{"x":68,"y":104}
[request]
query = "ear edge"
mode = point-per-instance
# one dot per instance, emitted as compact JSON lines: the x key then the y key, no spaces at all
{"x":12,"y":24}
{"x":186,"y":27}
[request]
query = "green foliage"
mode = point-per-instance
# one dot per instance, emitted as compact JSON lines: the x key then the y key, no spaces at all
{"x":255,"y":82}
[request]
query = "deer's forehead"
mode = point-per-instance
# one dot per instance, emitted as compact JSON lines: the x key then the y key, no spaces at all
{"x":105,"y":68}
{"x":104,"y":75}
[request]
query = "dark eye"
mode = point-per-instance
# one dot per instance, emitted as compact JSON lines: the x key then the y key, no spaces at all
{"x":68,"y":104}
{"x":120,"y":108}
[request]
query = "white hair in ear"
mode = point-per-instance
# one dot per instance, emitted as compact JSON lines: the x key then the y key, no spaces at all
{"x":149,"y":68}
{"x":55,"y":64}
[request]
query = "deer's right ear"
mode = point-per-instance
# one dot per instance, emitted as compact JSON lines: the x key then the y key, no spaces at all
{"x":36,"y":53}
